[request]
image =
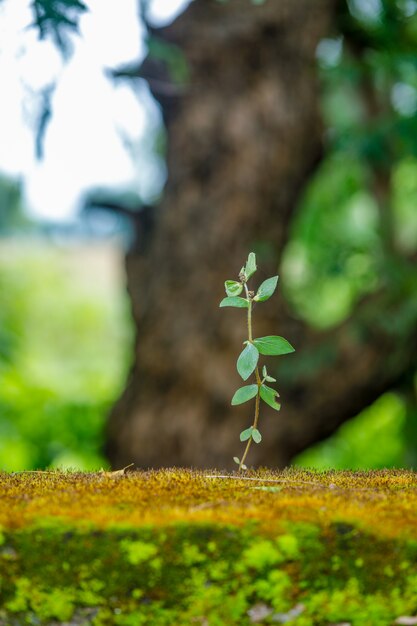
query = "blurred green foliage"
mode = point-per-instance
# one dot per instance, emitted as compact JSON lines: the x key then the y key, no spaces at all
{"x":331,"y":259}
{"x":12,"y":217}
{"x":339,"y":249}
{"x":64,"y":338}
{"x":356,"y":227}
{"x":336,"y":253}
{"x":375,"y":439}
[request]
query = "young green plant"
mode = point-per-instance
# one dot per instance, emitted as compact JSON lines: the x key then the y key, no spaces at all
{"x":248,"y":361}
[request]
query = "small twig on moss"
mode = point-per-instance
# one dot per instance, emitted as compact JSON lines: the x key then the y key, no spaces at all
{"x":330,"y":486}
{"x":50,"y":471}
{"x":267,"y":480}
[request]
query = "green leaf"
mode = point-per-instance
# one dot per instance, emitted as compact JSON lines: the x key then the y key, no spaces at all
{"x":245,"y":467}
{"x":240,"y":303}
{"x":269,"y":396}
{"x":250,"y":267}
{"x":236,"y":460}
{"x":273,"y":345}
{"x":233,"y":288}
{"x":256,"y":435}
{"x":246,"y":434}
{"x":244,"y":394}
{"x":247,"y":361}
{"x":266,"y":376}
{"x":266,"y":289}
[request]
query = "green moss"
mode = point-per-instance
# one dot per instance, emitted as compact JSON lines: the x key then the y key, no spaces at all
{"x":212,"y":571}
{"x":279,"y":558}
{"x":138,"y":551}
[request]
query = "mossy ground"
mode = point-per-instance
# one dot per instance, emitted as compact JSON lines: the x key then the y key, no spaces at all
{"x":179,"y":548}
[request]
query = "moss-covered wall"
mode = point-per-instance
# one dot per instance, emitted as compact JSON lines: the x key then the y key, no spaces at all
{"x":179,"y":548}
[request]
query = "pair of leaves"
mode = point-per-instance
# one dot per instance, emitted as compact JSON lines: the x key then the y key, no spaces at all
{"x":251,"y":432}
{"x":272,"y":346}
{"x":268,"y":395}
{"x":234,"y":289}
{"x":267,"y":377}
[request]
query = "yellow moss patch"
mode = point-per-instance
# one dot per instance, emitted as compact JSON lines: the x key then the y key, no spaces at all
{"x":381,"y":502}
{"x":182,"y":547}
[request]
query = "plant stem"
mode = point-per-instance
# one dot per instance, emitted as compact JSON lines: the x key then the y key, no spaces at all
{"x":258,"y":382}
{"x":249,"y":315}
{"x":255,"y":421}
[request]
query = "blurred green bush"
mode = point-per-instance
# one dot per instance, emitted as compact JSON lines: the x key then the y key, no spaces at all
{"x":64,"y":341}
{"x":334,"y":259}
{"x":375,"y":439}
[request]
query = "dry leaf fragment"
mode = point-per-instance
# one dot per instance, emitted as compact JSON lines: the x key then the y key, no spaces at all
{"x":116,"y":473}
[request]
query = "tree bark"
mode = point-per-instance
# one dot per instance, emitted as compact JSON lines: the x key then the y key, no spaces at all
{"x":243,"y":138}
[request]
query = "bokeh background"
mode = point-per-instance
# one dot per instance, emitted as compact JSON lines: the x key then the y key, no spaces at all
{"x":75,"y":143}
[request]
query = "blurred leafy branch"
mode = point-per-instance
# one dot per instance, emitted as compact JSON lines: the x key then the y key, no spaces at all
{"x":55,"y":18}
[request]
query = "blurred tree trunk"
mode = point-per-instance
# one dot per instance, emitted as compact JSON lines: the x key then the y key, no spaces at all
{"x":243,"y":139}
